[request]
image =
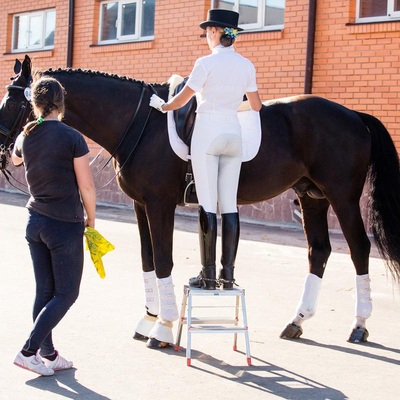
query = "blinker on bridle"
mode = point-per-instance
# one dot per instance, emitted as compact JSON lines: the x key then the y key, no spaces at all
{"x":19,"y":120}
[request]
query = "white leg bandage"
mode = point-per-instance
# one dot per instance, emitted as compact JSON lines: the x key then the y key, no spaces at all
{"x":363,"y":300}
{"x":151,"y":292}
{"x":162,"y":330}
{"x":168,"y":306}
{"x":308,"y":303}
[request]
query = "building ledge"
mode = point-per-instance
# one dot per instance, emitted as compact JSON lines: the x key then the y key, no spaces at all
{"x":10,"y":57}
{"x":264,"y":35}
{"x":374,"y":27}
{"x":109,"y":48}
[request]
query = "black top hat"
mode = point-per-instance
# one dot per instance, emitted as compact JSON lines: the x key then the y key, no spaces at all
{"x":221,"y":18}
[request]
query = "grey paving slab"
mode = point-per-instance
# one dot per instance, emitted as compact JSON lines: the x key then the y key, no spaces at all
{"x":272,"y":263}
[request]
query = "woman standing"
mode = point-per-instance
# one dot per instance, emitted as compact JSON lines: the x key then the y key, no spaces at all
{"x":221,"y":79}
{"x":57,"y":170}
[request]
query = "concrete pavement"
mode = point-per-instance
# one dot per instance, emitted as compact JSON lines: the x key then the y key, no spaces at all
{"x":271,"y":265}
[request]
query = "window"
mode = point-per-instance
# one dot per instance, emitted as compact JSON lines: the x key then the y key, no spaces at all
{"x":256,"y":14}
{"x":34,"y":31}
{"x":377,"y":10}
{"x":126,"y":20}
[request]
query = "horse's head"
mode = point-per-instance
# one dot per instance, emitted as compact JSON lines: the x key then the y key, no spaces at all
{"x":14,"y":108}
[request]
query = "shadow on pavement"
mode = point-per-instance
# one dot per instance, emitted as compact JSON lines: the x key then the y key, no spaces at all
{"x":268,"y":378}
{"x":65,"y":384}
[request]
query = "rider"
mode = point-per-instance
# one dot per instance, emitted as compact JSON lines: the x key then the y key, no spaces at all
{"x":221,"y":79}
{"x":57,"y":170}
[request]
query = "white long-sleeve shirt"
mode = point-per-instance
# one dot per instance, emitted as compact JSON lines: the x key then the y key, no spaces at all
{"x":222,"y":78}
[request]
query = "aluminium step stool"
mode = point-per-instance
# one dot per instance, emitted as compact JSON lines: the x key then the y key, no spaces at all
{"x":212,"y":324}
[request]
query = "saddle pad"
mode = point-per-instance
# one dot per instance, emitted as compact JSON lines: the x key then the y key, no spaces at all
{"x":251,"y":135}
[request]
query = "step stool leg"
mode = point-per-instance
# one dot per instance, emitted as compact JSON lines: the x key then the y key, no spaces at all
{"x":189,"y":326}
{"x":181,"y":322}
{"x":246,"y":334}
{"x":236,"y":323}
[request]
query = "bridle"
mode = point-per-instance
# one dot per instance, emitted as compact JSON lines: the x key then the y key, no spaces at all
{"x":11,"y":134}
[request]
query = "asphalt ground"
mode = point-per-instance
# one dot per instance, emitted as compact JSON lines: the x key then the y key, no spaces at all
{"x":271,"y":266}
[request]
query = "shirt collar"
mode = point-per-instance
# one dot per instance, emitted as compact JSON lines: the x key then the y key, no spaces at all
{"x":220,"y":48}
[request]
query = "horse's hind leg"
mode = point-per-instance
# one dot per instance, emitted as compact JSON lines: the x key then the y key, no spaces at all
{"x":149,"y":319}
{"x":349,"y":216}
{"x":315,"y":224}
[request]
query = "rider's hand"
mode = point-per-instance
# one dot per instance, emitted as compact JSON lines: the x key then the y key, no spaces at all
{"x":157,"y":103}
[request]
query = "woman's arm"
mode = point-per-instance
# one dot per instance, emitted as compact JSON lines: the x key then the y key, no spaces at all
{"x":179,"y":100}
{"x":17,"y":161}
{"x":86,"y":188}
{"x":176,"y":102}
{"x":16,"y":155}
{"x":254,"y":100}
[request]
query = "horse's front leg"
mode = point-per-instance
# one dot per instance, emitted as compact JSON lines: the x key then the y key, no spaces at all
{"x":160,"y":216}
{"x":315,"y":226}
{"x":152,"y":306}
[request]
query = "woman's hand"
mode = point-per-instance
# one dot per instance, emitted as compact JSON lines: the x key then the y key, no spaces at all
{"x":157,"y":103}
{"x":89,"y":222}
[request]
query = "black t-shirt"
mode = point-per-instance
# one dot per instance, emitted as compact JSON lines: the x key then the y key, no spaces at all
{"x":48,"y":152}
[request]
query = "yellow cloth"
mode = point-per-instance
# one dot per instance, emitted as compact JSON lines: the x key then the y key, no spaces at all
{"x":98,"y":247}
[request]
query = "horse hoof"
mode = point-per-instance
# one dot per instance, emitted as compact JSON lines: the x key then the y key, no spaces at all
{"x":139,"y":336}
{"x":292,"y":331}
{"x":153,"y":343}
{"x":358,"y":335}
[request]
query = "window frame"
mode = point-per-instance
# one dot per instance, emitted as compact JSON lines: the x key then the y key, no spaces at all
{"x":390,"y":16}
{"x":119,"y":37}
{"x":44,"y":21}
{"x":260,"y":24}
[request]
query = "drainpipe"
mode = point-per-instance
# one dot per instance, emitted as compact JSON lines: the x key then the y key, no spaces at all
{"x":70,"y":38}
{"x":312,"y":16}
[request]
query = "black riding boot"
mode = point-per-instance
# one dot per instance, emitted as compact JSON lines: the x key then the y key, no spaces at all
{"x":208,"y":240}
{"x":230,"y":241}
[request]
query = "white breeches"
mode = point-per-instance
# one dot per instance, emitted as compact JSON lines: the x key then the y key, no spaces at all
{"x":216,"y":159}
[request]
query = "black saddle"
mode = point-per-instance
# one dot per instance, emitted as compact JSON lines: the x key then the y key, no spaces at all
{"x":185,"y":116}
{"x":184,"y":121}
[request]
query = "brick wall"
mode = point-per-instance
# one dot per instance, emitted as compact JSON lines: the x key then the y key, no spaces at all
{"x":355,"y":65}
{"x":358,"y":65}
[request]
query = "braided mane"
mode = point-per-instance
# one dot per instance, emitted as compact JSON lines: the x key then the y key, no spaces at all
{"x":91,"y":73}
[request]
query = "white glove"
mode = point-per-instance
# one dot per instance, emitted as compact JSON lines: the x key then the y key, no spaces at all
{"x":157,"y":103}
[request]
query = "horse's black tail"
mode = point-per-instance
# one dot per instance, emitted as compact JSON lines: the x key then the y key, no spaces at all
{"x":384,"y":199}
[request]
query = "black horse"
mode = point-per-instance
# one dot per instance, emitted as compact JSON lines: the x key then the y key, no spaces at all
{"x":324,"y":151}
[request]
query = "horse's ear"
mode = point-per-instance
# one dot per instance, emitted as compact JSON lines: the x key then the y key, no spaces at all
{"x":17,"y":66}
{"x":27,"y":67}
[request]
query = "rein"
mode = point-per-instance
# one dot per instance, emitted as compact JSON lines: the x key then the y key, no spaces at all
{"x":127,"y":130}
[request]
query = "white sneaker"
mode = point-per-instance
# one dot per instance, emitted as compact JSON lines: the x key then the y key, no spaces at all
{"x":33,"y":363}
{"x":58,"y":364}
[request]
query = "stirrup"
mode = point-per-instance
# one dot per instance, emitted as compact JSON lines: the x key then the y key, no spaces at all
{"x":190,"y":196}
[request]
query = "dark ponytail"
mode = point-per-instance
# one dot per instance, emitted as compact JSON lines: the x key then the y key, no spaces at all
{"x":47,"y":96}
{"x":226,"y":40}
